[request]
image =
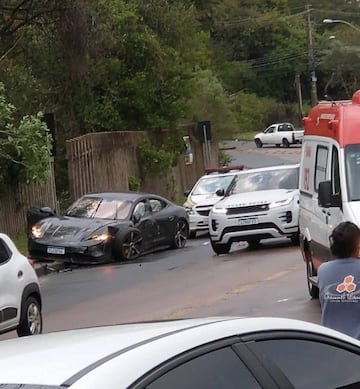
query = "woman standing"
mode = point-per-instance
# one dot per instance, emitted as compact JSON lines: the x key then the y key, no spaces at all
{"x":339,"y":281}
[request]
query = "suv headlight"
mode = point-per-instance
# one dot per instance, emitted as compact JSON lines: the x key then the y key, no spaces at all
{"x":281,"y":203}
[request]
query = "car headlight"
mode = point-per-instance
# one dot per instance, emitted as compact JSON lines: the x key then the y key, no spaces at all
{"x":189,"y":211}
{"x":219,"y":210}
{"x":103,"y":237}
{"x":38,"y":231}
{"x":281,"y":203}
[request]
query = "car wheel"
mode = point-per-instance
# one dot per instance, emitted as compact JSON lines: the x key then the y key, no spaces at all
{"x":277,"y":145}
{"x":128,"y":245}
{"x":30,"y":318}
{"x":254,"y":243}
{"x":181,"y":234}
{"x":295,"y":239}
{"x":258,"y":143}
{"x":285,"y":143}
{"x":310,"y":272}
{"x":192,"y":234}
{"x":220,"y":248}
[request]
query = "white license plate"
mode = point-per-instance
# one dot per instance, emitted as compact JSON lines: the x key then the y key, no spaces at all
{"x":56,"y":250}
{"x":245,"y":222}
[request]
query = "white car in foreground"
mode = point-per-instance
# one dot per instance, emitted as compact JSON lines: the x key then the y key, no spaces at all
{"x":261,"y":204}
{"x":20,"y":298}
{"x":213,"y":353}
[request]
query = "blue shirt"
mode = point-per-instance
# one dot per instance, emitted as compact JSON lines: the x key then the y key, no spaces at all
{"x":339,"y":286}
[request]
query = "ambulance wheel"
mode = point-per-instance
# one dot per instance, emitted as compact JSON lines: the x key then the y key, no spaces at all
{"x":258,"y":143}
{"x":310,"y":272}
{"x":285,"y":143}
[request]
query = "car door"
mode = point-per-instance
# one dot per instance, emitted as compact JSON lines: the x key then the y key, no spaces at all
{"x":309,"y":360}
{"x":164,"y":220}
{"x":269,"y":135}
{"x":145,"y":222}
{"x":11,"y":287}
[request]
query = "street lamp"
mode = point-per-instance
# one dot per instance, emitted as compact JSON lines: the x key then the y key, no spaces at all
{"x":330,"y":21}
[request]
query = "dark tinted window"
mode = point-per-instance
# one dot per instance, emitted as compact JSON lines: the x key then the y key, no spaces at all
{"x":311,"y":364}
{"x":214,"y":370}
{"x":5,"y":253}
{"x":335,"y":172}
{"x":321,"y":164}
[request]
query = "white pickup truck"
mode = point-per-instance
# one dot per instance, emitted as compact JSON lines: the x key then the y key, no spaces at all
{"x":279,"y":134}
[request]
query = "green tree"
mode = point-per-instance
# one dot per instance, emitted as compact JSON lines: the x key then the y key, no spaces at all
{"x":24,"y":146}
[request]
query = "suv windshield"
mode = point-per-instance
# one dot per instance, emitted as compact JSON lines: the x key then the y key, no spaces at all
{"x":266,"y":180}
{"x":352,"y":166}
{"x":209,"y":185}
{"x":99,"y":208}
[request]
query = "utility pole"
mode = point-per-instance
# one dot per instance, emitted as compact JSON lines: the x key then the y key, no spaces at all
{"x":313,"y":88}
{"x":299,"y":95}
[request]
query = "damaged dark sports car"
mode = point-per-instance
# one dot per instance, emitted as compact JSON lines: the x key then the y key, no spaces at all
{"x":103,"y":227}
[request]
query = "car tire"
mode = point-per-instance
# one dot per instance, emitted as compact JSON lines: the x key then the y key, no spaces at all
{"x":128,"y":245}
{"x":192,"y":234}
{"x":253,"y":243}
{"x":295,"y":239}
{"x":181,"y":234}
{"x":285,"y":143}
{"x":30,"y":318}
{"x":220,"y":248}
{"x":310,"y":272}
{"x":258,"y":143}
{"x":277,"y":145}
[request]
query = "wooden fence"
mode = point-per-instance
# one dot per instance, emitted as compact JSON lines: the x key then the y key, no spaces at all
{"x":14,"y":205}
{"x":105,"y":161}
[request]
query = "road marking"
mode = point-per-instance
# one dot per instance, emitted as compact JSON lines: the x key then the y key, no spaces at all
{"x":206,"y":243}
{"x":236,"y":291}
{"x":282,"y":300}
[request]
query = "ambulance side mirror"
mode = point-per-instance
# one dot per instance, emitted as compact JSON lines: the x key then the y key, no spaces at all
{"x":325,"y":197}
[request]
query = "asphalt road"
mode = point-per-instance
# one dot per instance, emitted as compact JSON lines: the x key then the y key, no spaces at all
{"x":191,"y":282}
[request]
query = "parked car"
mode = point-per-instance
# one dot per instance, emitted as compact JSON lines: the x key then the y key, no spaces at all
{"x":20,"y":297}
{"x":260,"y":204}
{"x":108,"y":226}
{"x":205,"y":193}
{"x":279,"y":134}
{"x":211,"y":353}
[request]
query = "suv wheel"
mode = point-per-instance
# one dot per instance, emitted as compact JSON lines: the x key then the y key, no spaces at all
{"x":30,"y":318}
{"x":220,"y":248}
{"x":310,"y":272}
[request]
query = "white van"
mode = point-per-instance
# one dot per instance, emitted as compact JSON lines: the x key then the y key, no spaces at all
{"x":329,"y":179}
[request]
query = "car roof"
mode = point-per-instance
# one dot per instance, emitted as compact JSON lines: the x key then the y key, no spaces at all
{"x":64,"y":358}
{"x":129,"y":196}
{"x":269,"y":168}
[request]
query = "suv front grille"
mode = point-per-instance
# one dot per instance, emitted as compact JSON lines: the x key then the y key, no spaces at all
{"x":248,"y":209}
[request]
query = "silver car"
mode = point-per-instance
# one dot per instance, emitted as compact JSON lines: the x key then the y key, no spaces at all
{"x":198,"y":353}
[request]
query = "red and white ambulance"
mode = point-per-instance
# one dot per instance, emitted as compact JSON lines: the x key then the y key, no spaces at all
{"x":329,"y":178}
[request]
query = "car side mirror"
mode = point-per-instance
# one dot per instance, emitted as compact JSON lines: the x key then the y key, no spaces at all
{"x":325,"y":197}
{"x":220,"y":192}
{"x":48,"y":211}
{"x":187,"y":192}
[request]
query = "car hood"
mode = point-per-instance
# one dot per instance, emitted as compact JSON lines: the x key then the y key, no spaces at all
{"x":72,"y":229}
{"x":258,"y":134}
{"x":256,"y":198}
{"x":206,"y":199}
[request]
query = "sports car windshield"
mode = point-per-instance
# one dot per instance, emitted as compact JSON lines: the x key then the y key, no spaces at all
{"x":352,"y":163}
{"x":209,"y":185}
{"x":99,"y":208}
{"x":266,"y":180}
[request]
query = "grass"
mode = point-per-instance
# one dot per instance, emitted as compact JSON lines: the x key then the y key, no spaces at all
{"x":246,"y":136}
{"x":21,"y":243}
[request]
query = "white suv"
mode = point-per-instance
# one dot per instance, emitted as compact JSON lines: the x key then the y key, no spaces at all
{"x":261,"y":203}
{"x":20,"y":298}
{"x":205,"y":193}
